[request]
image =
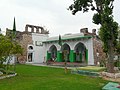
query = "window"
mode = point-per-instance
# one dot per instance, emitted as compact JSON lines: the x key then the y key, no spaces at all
{"x":30,"y":48}
{"x":39,"y":43}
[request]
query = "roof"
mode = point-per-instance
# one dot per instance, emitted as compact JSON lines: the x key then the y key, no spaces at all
{"x":67,"y":37}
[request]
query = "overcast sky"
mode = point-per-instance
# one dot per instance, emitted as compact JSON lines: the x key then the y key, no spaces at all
{"x":52,"y":14}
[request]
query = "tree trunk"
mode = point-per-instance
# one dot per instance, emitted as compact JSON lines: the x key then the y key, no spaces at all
{"x":110,"y":65}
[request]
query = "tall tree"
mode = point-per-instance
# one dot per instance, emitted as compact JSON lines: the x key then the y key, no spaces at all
{"x":104,"y":17}
{"x":118,"y":43}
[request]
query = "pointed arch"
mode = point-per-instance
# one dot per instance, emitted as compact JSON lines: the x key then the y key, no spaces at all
{"x":80,"y":51}
{"x":53,"y":52}
{"x":66,"y":52}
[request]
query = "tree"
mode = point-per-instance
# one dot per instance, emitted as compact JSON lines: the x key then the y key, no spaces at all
{"x":118,"y":45}
{"x":104,"y":17}
{"x":7,"y":49}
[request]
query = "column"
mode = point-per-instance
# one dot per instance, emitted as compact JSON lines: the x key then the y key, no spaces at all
{"x":81,"y":57}
{"x":59,"y":56}
{"x":32,"y":29}
{"x":72,"y":56}
{"x":26,"y":28}
{"x":86,"y":55}
{"x":48,"y":55}
{"x":37,"y":29}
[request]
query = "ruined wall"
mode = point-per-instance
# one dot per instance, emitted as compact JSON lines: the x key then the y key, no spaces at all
{"x":99,"y":55}
{"x":24,"y":38}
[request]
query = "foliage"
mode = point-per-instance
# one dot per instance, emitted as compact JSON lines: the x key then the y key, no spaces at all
{"x":36,"y":78}
{"x":7,"y":49}
{"x":118,"y":42}
{"x":108,"y":32}
{"x":103,"y":16}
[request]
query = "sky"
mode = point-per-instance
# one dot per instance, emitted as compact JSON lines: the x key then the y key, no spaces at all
{"x":51,"y":14}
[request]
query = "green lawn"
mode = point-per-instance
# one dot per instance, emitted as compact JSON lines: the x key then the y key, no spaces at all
{"x":92,"y":68}
{"x":46,"y":78}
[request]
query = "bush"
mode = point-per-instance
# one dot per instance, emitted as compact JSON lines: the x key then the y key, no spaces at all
{"x":117,"y":63}
{"x":3,"y":70}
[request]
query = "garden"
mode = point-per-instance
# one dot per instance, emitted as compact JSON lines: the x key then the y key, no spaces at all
{"x":48,"y":78}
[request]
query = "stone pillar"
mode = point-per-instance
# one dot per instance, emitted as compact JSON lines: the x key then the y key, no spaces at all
{"x":86,"y":55}
{"x":72,"y":56}
{"x":32,"y":29}
{"x":37,"y":29}
{"x":59,"y":56}
{"x":26,"y":28}
{"x":48,"y":55}
{"x":42,"y":30}
{"x":84,"y":30}
{"x":94,"y":31}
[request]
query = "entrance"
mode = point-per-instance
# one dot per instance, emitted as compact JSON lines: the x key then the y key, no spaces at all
{"x":53,"y":52}
{"x":66,"y":52}
{"x":80,"y":52}
{"x":30,"y":56}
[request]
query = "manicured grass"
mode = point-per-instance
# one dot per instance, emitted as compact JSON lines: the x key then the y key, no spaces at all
{"x":93,"y":68}
{"x":46,"y":78}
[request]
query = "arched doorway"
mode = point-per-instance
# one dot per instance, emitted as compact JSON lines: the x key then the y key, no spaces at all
{"x":30,"y":53}
{"x":53,"y":52}
{"x":66,"y":52}
{"x":80,"y":52}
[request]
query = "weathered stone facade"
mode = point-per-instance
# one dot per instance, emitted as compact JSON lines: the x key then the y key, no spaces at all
{"x":25,"y":38}
{"x":99,"y":55}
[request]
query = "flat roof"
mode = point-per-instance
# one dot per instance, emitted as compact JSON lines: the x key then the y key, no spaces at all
{"x":67,"y":37}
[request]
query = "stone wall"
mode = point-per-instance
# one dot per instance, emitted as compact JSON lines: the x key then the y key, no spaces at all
{"x":99,"y":55}
{"x":25,"y":38}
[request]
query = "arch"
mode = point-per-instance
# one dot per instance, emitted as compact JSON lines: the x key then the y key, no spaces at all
{"x":53,"y":52}
{"x":66,"y":52}
{"x":80,"y":52}
{"x":30,"y":47}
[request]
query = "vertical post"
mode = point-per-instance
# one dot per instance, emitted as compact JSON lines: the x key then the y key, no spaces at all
{"x":48,"y":56}
{"x":81,"y":57}
{"x":72,"y":56}
{"x":32,"y":29}
{"x":65,"y":58}
{"x":59,"y":56}
{"x":86,"y":55}
{"x":26,"y":28}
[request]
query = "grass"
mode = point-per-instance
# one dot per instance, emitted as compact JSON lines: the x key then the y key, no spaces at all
{"x":93,"y":68}
{"x":46,"y":78}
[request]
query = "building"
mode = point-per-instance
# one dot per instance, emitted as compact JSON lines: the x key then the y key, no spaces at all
{"x":82,"y":47}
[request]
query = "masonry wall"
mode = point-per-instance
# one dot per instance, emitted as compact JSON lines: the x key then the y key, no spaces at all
{"x":26,"y":39}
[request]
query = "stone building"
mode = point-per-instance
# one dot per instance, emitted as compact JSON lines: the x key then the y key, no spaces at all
{"x":99,"y":55}
{"x":83,"y":47}
{"x":25,"y":38}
